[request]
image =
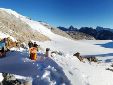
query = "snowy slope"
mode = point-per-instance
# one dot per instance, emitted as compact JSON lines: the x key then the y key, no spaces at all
{"x":62,"y":69}
{"x":84,"y":73}
{"x":33,"y":24}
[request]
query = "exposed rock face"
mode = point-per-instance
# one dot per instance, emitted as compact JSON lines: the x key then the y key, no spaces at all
{"x":99,"y":33}
{"x":80,"y":36}
{"x":88,"y":30}
{"x":9,"y":79}
{"x":18,"y":29}
{"x":105,"y":35}
{"x":89,"y":33}
{"x":75,"y":34}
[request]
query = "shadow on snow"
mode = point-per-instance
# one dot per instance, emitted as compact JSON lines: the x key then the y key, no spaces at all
{"x":107,"y":45}
{"x":13,"y":63}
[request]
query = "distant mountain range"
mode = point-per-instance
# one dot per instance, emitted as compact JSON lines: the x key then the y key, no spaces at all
{"x":89,"y":33}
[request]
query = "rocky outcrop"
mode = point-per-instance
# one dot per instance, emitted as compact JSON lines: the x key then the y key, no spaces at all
{"x":89,"y":33}
{"x":10,"y":24}
{"x":80,"y":36}
{"x":75,"y":34}
{"x":9,"y":79}
{"x":105,"y":35}
{"x":99,"y":33}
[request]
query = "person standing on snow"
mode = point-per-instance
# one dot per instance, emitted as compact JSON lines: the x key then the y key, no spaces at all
{"x":33,"y":50}
{"x":33,"y":53}
{"x":47,"y":52}
{"x":30,"y":44}
{"x":36,"y":46}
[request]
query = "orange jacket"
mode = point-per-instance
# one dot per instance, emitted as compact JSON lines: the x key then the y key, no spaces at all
{"x":33,"y":50}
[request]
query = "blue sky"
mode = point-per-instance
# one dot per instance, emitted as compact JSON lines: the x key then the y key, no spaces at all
{"x":78,"y":13}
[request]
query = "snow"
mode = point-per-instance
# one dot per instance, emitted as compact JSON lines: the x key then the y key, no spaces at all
{"x":63,"y":68}
{"x":16,"y":63}
{"x":1,"y":77}
{"x":12,"y":12}
{"x":59,"y":69}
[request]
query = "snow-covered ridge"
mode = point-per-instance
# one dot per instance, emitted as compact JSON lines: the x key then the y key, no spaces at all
{"x":12,"y":12}
{"x":33,"y":24}
{"x":12,"y":23}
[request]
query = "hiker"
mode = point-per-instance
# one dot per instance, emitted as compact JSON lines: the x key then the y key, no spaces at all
{"x":2,"y":48}
{"x":35,"y":45}
{"x":78,"y":56}
{"x":7,"y":42}
{"x":47,"y":52}
{"x":32,"y":50}
{"x":33,"y":53}
{"x":30,"y":44}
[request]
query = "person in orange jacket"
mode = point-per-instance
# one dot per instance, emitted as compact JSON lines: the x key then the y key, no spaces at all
{"x":33,"y":53}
